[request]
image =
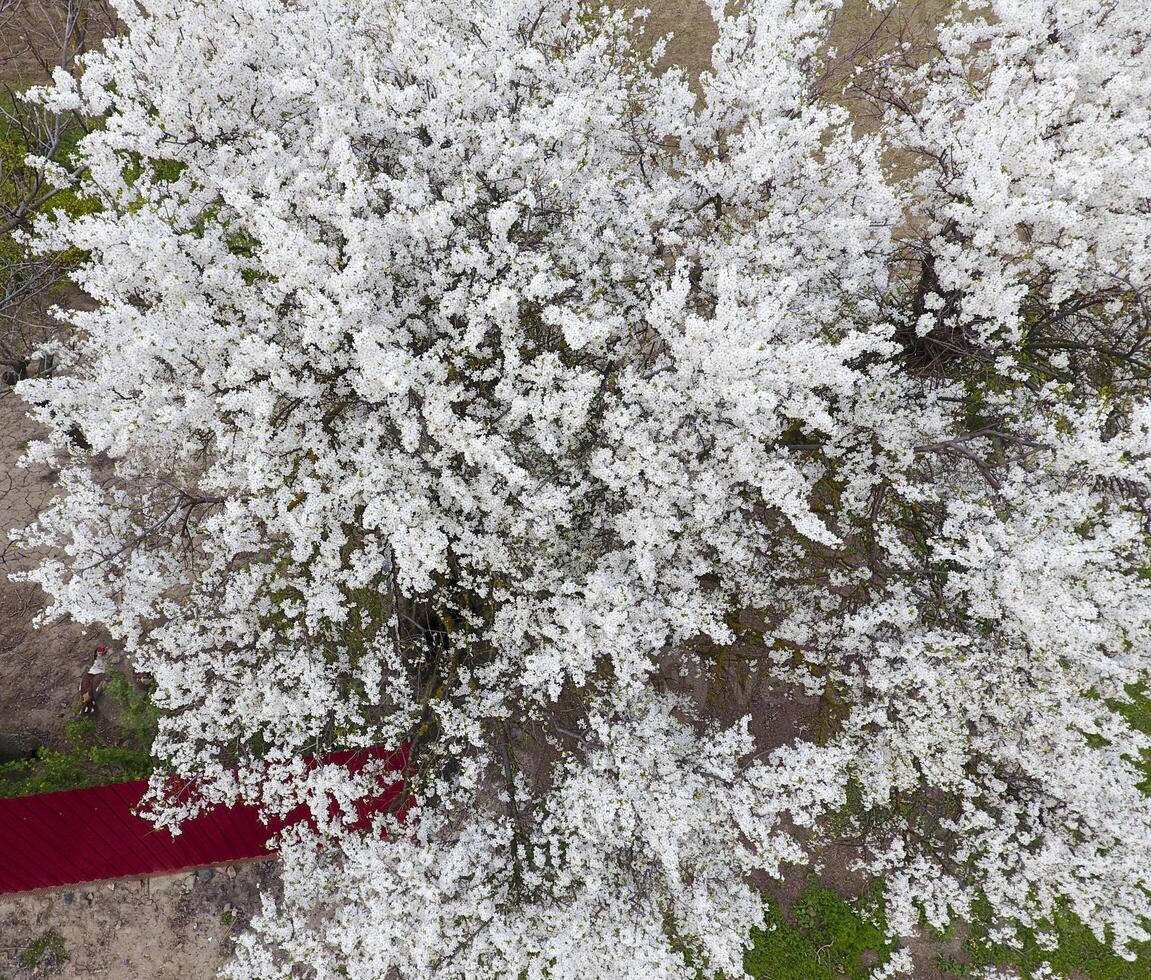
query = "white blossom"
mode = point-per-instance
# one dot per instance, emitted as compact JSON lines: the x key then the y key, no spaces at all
{"x":456,"y":378}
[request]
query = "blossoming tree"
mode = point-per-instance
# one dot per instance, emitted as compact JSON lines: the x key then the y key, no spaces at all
{"x":457,"y":378}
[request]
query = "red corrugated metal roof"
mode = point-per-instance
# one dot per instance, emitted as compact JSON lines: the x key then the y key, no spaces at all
{"x":54,"y":839}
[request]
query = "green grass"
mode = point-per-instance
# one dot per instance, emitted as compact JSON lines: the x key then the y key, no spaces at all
{"x":1078,"y":953}
{"x":15,"y":180}
{"x":824,"y":938}
{"x":1138,"y":714}
{"x":89,"y":760}
{"x":828,"y":938}
{"x":47,"y":951}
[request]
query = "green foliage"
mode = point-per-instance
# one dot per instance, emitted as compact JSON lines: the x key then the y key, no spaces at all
{"x":1078,"y":953}
{"x":47,"y":950}
{"x":138,"y":715}
{"x":949,"y":966}
{"x":17,"y":184}
{"x":827,"y":938}
{"x":1137,"y":711}
{"x":88,"y":759}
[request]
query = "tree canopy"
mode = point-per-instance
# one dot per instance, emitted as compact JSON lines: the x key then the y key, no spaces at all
{"x":461,"y":376}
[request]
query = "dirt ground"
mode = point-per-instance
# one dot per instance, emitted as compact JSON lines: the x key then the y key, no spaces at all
{"x":33,"y":39}
{"x":175,"y":927}
{"x":40,"y":669}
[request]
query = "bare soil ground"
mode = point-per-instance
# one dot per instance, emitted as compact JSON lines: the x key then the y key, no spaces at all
{"x":692,"y":29}
{"x":175,"y":927}
{"x":34,"y":37}
{"x":40,"y":670}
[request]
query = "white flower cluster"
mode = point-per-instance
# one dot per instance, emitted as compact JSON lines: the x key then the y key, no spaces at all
{"x":466,"y":382}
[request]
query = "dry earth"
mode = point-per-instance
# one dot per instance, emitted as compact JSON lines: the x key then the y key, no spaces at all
{"x":175,"y":927}
{"x":33,"y":39}
{"x":40,"y":670}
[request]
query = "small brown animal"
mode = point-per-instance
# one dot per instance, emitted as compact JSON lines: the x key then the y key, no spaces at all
{"x":92,"y":683}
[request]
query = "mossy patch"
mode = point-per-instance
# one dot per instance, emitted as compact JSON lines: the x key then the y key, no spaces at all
{"x":825,"y":937}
